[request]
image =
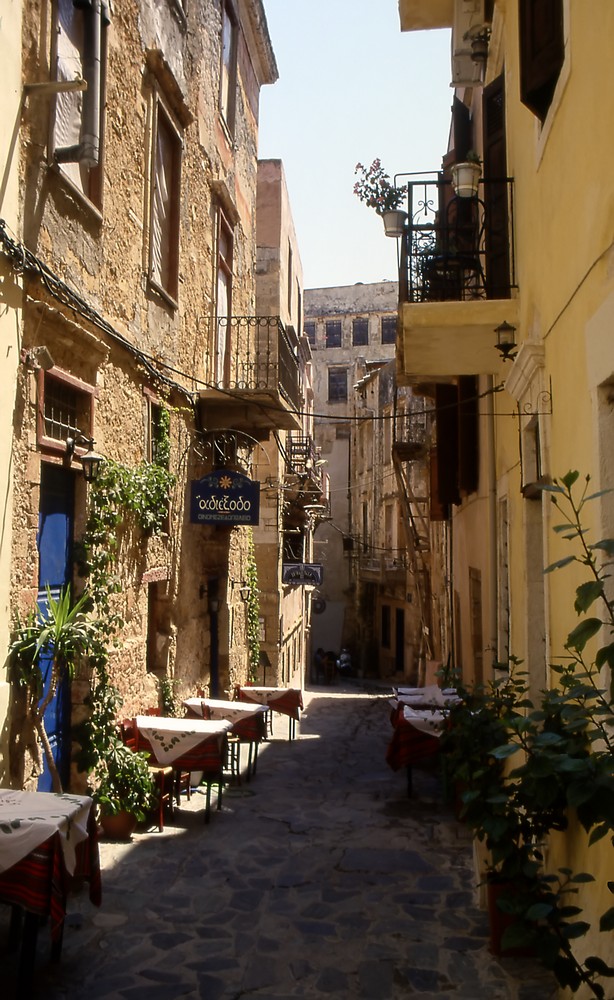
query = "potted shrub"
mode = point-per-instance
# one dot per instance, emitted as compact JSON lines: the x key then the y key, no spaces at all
{"x":466,"y":175}
{"x":375,"y":189}
{"x":125,"y":791}
{"x":62,"y":630}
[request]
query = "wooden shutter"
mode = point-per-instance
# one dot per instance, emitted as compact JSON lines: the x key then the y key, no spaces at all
{"x":542,"y":51}
{"x":446,"y":409}
{"x":496,"y":229}
{"x":461,"y":130}
{"x":468,"y":441}
{"x":439,"y":511}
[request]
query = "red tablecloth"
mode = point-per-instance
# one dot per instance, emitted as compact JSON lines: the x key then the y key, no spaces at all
{"x":408,"y":744}
{"x":206,"y":754}
{"x":39,"y":882}
{"x":286,"y":701}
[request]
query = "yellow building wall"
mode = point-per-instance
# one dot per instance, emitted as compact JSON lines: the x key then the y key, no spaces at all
{"x":564,"y":226}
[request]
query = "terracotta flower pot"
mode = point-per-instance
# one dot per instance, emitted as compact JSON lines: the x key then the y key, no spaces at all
{"x":120,"y":826}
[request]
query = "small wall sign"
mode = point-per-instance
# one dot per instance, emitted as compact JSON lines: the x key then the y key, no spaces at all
{"x":224,"y":497}
{"x":298,"y":574}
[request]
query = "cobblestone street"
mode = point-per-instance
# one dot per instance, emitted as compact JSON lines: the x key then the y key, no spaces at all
{"x":319,"y":878}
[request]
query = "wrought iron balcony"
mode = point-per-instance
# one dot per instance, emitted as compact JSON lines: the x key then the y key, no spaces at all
{"x":256,"y":371}
{"x":457,"y":249}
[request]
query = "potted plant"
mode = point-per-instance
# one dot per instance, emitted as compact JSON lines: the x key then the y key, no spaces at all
{"x":125,"y":791}
{"x":375,"y":189}
{"x":62,"y":630}
{"x":466,"y":175}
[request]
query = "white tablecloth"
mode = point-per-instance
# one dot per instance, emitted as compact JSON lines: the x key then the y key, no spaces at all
{"x":171,"y":738}
{"x":233,"y":711}
{"x":27,"y":819}
{"x":425,"y":721}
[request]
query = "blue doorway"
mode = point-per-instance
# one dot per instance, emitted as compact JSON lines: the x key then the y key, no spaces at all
{"x":55,"y":543}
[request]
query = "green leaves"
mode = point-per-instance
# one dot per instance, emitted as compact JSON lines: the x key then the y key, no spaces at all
{"x":586,"y":595}
{"x":581,"y":634}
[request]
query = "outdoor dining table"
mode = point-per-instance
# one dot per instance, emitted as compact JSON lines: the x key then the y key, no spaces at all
{"x":286,"y":701}
{"x":416,"y":736}
{"x":45,"y":840}
{"x":187,"y":745}
{"x":247,"y":719}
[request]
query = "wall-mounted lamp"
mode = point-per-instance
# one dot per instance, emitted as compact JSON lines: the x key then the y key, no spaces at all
{"x":245,"y":591}
{"x":90,"y":461}
{"x":506,"y":340}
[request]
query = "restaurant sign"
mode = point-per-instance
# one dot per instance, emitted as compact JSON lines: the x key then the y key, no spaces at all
{"x":224,"y":497}
{"x":302,"y":573}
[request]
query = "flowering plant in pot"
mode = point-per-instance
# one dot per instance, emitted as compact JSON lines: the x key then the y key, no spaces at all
{"x":375,"y":189}
{"x":125,"y":788}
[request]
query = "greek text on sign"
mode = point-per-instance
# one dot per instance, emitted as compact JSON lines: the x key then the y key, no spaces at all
{"x":302,"y":573}
{"x":224,"y":497}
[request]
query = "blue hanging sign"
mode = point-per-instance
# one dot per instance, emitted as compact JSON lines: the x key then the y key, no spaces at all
{"x":224,"y":497}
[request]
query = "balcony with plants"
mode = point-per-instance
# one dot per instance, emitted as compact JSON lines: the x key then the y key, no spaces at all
{"x":256,"y":384}
{"x":456,"y":272}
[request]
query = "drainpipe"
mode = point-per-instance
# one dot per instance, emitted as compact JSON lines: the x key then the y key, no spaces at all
{"x":87,"y":151}
{"x":492,"y":515}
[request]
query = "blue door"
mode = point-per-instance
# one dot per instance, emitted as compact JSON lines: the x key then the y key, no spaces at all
{"x":55,"y":532}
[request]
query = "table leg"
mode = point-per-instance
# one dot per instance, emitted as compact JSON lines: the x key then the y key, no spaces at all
{"x":27,"y":957}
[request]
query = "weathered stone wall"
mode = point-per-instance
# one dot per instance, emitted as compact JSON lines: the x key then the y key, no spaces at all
{"x":127,"y":341}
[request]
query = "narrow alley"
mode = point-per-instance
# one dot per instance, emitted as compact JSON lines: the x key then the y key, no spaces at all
{"x":318,"y":878}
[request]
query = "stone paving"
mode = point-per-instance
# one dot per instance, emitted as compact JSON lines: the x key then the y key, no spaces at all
{"x":319,"y":878}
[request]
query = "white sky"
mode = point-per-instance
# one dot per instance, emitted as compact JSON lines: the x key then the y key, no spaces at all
{"x":351,"y":88}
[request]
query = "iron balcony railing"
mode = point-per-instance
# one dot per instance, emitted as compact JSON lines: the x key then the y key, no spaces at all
{"x":259,"y":354}
{"x":455,"y":248}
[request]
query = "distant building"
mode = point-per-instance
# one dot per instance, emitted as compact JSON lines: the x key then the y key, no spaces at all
{"x":365,"y":602}
{"x":292,"y":480}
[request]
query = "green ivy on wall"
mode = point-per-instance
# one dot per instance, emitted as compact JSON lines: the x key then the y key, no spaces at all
{"x":120,"y":490}
{"x":252,"y":610}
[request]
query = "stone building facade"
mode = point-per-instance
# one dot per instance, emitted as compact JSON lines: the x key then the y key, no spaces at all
{"x":292,"y":481}
{"x":349,"y":328}
{"x":136,"y":245}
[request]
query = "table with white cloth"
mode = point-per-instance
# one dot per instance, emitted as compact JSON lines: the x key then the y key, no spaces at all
{"x":248,"y":725}
{"x":427,"y":696}
{"x":45,"y":841}
{"x":416,"y":735}
{"x":286,"y":701}
{"x":187,"y":745}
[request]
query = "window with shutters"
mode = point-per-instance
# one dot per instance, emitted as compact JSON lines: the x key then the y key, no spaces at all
{"x":225,"y":253}
{"x":542,"y":52}
{"x":164,"y":207}
{"x":77,"y":127}
{"x":333,"y":333}
{"x":337,"y":385}
{"x":228,"y":66}
{"x":360,"y":332}
{"x":389,"y":329}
